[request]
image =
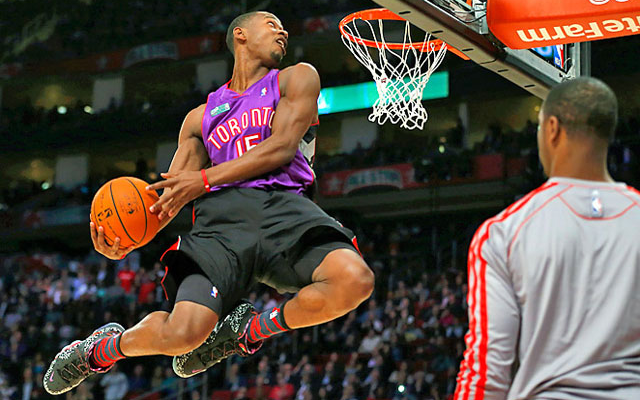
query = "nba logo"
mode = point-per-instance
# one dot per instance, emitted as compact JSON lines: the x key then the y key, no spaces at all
{"x":214,"y":292}
{"x":596,"y":205}
{"x":263,"y":92}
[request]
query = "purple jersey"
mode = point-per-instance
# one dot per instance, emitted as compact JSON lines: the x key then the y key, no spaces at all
{"x":235,"y":123}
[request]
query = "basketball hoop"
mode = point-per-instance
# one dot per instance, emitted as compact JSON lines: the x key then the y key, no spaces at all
{"x":401,"y":78}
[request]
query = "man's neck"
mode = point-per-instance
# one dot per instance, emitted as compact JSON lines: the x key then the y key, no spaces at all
{"x":582,"y":163}
{"x":246,"y":72}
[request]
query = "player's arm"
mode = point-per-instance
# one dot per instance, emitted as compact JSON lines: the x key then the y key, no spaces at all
{"x":494,"y":322}
{"x":190,"y":156}
{"x":296,"y":111}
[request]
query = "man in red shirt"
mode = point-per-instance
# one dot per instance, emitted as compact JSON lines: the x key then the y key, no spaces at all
{"x":126,"y":276}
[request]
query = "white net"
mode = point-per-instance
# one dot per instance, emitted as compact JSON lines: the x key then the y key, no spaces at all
{"x":400,"y":75}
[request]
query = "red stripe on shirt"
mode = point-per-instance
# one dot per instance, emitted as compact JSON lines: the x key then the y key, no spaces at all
{"x":634,"y":190}
{"x":473,"y":287}
{"x":484,"y":330}
{"x":204,"y":112}
{"x":470,"y":336}
{"x":577,"y":214}
{"x":515,"y":236}
{"x":476,"y":251}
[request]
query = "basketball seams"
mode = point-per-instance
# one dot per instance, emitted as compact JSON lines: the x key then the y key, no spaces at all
{"x":124,"y":228}
{"x":95,"y":217}
{"x":144,"y":211}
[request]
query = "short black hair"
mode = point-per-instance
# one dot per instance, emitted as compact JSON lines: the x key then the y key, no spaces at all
{"x":583,"y":105}
{"x":238,"y":21}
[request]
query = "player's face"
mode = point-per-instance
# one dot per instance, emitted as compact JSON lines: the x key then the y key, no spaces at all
{"x":543,"y":150}
{"x":268,"y":39}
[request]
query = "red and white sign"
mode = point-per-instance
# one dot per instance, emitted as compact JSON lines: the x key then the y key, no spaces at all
{"x":536,"y":23}
{"x":340,"y":183}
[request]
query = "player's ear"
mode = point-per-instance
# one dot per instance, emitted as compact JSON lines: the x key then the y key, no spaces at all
{"x":554,"y":131}
{"x":239,"y":34}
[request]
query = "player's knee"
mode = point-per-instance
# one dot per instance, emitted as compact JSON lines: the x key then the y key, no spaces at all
{"x":357,"y":283}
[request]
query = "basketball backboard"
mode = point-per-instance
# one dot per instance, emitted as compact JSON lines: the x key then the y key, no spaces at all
{"x":463,"y":26}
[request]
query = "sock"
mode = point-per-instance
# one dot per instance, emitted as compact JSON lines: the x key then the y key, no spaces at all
{"x":266,"y":324}
{"x":106,"y":351}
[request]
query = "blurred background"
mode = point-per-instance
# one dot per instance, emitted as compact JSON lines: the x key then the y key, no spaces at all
{"x":92,"y":89}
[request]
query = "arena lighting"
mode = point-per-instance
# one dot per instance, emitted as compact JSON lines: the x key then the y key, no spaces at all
{"x":62,"y":110}
{"x":88,"y":109}
{"x":363,"y":95}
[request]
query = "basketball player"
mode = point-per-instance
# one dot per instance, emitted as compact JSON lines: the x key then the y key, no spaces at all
{"x":554,"y":306}
{"x":252,"y":222}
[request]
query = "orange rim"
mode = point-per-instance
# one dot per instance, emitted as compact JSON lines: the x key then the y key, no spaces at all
{"x":384,"y":14}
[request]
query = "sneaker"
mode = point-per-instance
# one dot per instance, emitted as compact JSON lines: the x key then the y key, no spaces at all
{"x":71,"y":365}
{"x":227,"y":338}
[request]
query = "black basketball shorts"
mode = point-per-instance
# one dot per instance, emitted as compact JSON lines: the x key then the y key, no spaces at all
{"x":244,"y":236}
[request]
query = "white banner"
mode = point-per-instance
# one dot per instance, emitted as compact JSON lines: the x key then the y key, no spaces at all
{"x":357,"y":130}
{"x":72,"y":171}
{"x":211,"y":73}
{"x":106,"y":89}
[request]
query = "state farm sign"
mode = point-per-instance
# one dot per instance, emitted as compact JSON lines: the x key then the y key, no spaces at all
{"x":601,"y":2}
{"x":591,"y":31}
{"x":535,"y":23}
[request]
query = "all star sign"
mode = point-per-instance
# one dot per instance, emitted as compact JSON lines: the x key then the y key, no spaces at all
{"x":526,"y":24}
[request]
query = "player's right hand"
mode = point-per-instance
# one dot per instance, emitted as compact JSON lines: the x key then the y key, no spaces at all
{"x":113,"y":252}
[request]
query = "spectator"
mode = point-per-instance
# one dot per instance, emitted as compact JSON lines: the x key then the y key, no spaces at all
{"x":138,"y":383}
{"x":282,"y":391}
{"x":233,"y":379}
{"x":126,"y":277}
{"x":370,"y":342}
{"x":115,"y":384}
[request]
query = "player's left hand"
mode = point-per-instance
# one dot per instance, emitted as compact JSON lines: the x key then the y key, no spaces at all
{"x":183,"y":187}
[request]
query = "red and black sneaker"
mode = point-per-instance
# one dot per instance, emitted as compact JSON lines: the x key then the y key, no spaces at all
{"x":71,"y":365}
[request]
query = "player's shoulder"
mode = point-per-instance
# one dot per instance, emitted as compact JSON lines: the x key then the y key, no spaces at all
{"x":300,"y":74}
{"x":192,"y":125}
{"x":633,"y":192}
{"x":299,"y":69}
{"x":197,"y":113}
{"x":504,"y":223}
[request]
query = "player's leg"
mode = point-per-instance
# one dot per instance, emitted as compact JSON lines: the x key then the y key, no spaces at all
{"x":178,"y":332}
{"x":160,"y":333}
{"x":334,"y":280}
{"x":302,"y":250}
{"x":340,"y":283}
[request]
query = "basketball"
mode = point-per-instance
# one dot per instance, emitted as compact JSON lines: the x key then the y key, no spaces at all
{"x":121,"y":207}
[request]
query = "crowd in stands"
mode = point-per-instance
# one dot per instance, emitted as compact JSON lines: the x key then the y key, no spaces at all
{"x":405,"y":342}
{"x":439,"y":159}
{"x":446,"y":158}
{"x":83,"y":27}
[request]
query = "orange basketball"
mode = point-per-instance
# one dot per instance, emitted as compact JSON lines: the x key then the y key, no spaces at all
{"x":121,"y":207}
